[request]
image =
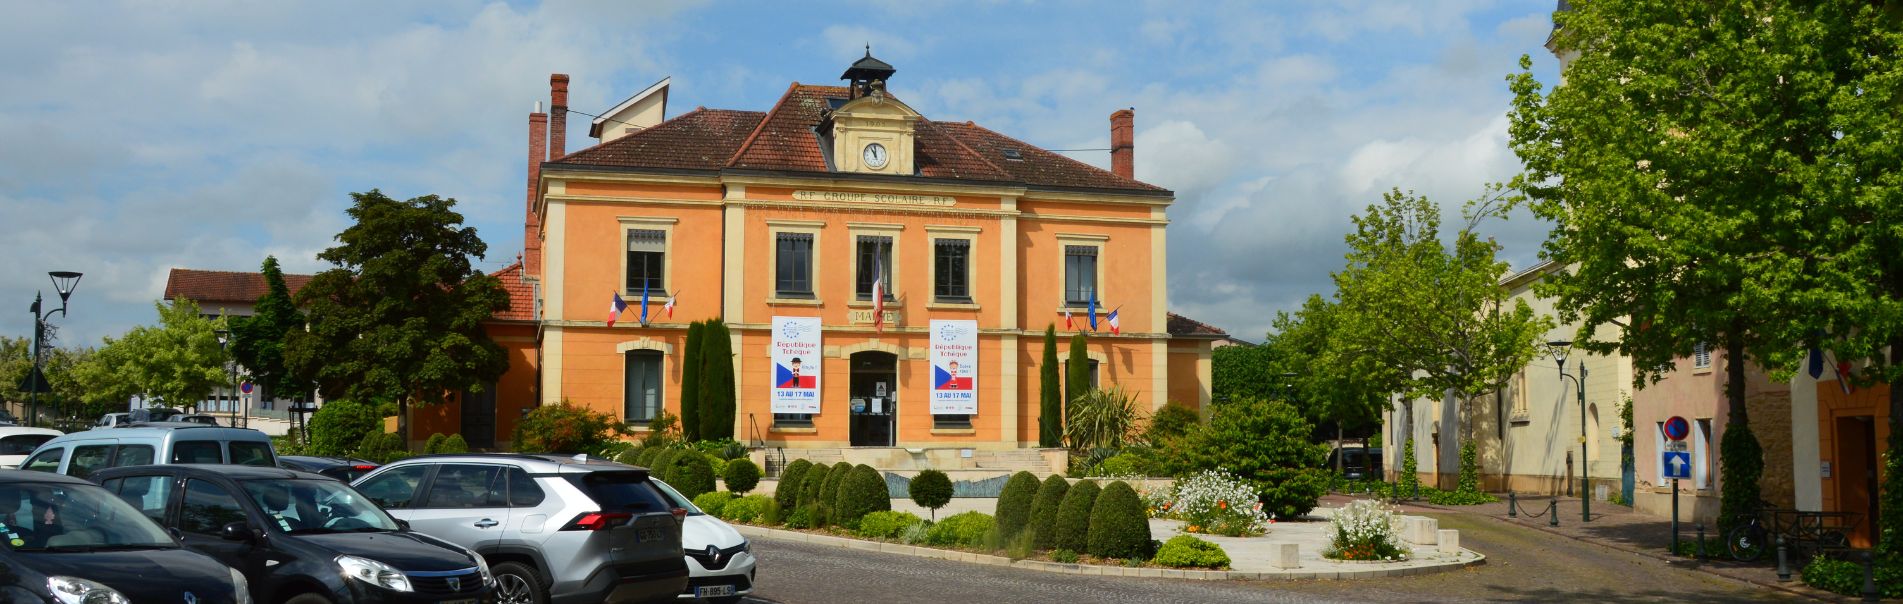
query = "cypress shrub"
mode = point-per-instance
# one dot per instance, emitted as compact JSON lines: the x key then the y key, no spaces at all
{"x":454,"y":444}
{"x":931,"y":489}
{"x":1044,"y":510}
{"x":716,"y":382}
{"x":741,"y":476}
{"x":1014,"y":505}
{"x":829,"y":491}
{"x":1118,"y":526}
{"x":690,"y":380}
{"x":862,"y":492}
{"x":810,"y":486}
{"x":691,"y":474}
{"x":1077,"y":370}
{"x":434,"y":444}
{"x":1071,"y":531}
{"x":786,"y":492}
{"x":1050,"y":393}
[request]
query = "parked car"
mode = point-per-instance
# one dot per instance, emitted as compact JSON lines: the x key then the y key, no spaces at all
{"x":154,"y":414}
{"x":97,"y":550}
{"x":6,"y":418}
{"x":1357,"y":462}
{"x":80,"y":453}
{"x":195,"y":418}
{"x":345,"y":469}
{"x":300,"y":538}
{"x":112,"y":420}
{"x":720,"y":562}
{"x":16,"y":442}
{"x":615,"y":537}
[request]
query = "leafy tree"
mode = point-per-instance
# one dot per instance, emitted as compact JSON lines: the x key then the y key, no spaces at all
{"x":716,"y":382}
{"x":400,"y":317}
{"x":1744,"y":194}
{"x":1077,"y":370}
{"x":1265,"y":443}
{"x":931,"y":489}
{"x":690,"y":380}
{"x":258,"y":342}
{"x":1331,"y":381}
{"x":1239,"y":372}
{"x":566,"y":427}
{"x":1431,"y":316}
{"x":1171,"y":422}
{"x":1050,"y":410}
{"x":177,"y":362}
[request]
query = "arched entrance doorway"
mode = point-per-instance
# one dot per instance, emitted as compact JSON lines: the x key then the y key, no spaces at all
{"x":874,"y":390}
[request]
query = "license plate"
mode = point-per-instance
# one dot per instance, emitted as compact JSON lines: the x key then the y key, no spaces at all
{"x":713,"y":591}
{"x":648,"y":534}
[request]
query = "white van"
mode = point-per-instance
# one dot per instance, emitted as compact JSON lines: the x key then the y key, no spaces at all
{"x":79,"y":453}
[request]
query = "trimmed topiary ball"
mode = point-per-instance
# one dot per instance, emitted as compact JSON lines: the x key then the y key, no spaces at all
{"x":1071,"y":530}
{"x":434,"y":444}
{"x":829,"y":491}
{"x":741,"y":476}
{"x":931,"y":489}
{"x":454,"y":444}
{"x":1186,"y":551}
{"x":691,"y":474}
{"x":811,"y":485}
{"x":862,"y":492}
{"x":1118,"y":526}
{"x":786,"y":492}
{"x":1014,"y":505}
{"x":1044,"y":511}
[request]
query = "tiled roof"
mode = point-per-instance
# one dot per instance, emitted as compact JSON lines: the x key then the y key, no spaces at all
{"x":783,"y":139}
{"x":1181,"y":326}
{"x":521,"y":294}
{"x":224,"y":286}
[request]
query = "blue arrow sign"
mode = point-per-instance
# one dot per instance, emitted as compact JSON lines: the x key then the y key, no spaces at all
{"x":1678,"y":464}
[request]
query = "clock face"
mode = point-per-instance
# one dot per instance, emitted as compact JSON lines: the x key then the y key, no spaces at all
{"x":875,"y":156}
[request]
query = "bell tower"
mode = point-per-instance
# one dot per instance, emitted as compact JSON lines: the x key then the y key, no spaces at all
{"x":871,"y":132}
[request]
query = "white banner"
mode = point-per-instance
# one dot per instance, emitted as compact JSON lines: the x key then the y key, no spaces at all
{"x":954,"y":367}
{"x":795,"y":365}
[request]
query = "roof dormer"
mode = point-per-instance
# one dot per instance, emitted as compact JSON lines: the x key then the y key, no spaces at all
{"x":872,"y":133}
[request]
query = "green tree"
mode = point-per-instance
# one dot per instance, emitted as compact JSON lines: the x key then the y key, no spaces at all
{"x":1077,"y":370}
{"x":339,"y":426}
{"x":566,"y":427}
{"x":931,"y":489}
{"x":258,"y":344}
{"x":690,"y":380}
{"x":716,"y":382}
{"x":1239,"y":372}
{"x":1050,"y":410}
{"x":1432,"y":316}
{"x":1743,"y":195}
{"x":1331,"y":381}
{"x":1264,"y":442}
{"x":400,"y":317}
{"x":177,"y":362}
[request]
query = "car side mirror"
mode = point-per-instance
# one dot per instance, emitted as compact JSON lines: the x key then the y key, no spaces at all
{"x":236,"y":531}
{"x":403,"y":524}
{"x":176,"y":534}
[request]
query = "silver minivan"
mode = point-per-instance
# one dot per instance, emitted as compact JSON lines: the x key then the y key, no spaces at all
{"x":79,"y":453}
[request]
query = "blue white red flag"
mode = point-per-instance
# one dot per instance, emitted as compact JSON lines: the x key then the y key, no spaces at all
{"x":878,"y":293}
{"x":1114,"y":327}
{"x":615,"y":308}
{"x":1069,"y":322}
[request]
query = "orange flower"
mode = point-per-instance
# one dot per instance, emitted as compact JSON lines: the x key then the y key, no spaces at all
{"x":1222,"y":505}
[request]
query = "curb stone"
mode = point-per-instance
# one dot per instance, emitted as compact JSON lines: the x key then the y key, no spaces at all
{"x":1101,"y":570}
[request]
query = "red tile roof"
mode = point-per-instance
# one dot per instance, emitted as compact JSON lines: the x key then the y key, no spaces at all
{"x":1180,"y":326}
{"x":783,"y":139}
{"x":224,"y":286}
{"x":521,"y":294}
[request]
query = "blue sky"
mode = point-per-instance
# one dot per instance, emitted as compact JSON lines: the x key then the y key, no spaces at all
{"x":142,"y":136}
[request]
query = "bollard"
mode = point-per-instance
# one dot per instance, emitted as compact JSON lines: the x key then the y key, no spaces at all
{"x":1513,"y":505}
{"x":1783,"y":562}
{"x":1869,"y":577}
{"x":1552,"y":513}
{"x":1701,"y":541}
{"x":1417,"y":491}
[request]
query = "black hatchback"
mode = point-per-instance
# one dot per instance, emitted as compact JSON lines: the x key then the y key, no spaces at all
{"x":301,"y":538}
{"x":63,"y":539}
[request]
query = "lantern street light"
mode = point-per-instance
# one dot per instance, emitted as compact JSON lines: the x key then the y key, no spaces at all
{"x":1558,"y":350}
{"x":224,"y":339}
{"x":64,"y":282}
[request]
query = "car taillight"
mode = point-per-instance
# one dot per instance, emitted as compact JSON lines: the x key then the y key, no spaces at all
{"x":595,"y":521}
{"x":364,"y":467}
{"x":680,"y":514}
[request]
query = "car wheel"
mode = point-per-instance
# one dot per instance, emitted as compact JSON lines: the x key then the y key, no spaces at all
{"x":516,"y":583}
{"x":308,"y":599}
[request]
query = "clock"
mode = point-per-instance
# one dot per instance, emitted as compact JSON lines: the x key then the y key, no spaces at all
{"x":875,"y":156}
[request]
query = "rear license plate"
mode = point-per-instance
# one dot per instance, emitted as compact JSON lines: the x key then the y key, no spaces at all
{"x":713,"y":591}
{"x":648,"y":534}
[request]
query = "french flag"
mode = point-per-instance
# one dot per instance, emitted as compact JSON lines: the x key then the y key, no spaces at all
{"x":614,"y":310}
{"x":878,"y":294}
{"x":1069,"y":322}
{"x":1114,"y":327}
{"x":669,"y":307}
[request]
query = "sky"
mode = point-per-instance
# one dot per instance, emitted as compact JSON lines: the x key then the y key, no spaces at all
{"x":140,"y":136}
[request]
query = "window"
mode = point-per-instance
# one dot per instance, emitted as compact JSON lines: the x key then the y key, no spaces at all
{"x":1701,"y":356}
{"x":208,"y":508}
{"x":88,"y":458}
{"x":642,"y":386}
{"x":1701,"y":453}
{"x":793,"y":265}
{"x":251,"y":454}
{"x":798,"y":420}
{"x":197,"y":451}
{"x":1080,"y":274}
{"x":647,"y":261}
{"x":462,"y":486}
{"x":1093,"y":372}
{"x":396,"y":488}
{"x":45,"y":462}
{"x":22,"y":444}
{"x":951,"y":421}
{"x":523,"y":492}
{"x":951,"y":270}
{"x":133,"y":455}
{"x":148,"y":493}
{"x":875,"y":263}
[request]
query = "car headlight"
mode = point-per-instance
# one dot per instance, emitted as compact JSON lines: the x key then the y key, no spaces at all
{"x":243,"y":587}
{"x":74,"y":590}
{"x":482,"y":566}
{"x":374,"y":572}
{"x":746,"y":546}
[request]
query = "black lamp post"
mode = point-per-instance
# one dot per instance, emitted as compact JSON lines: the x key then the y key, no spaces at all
{"x":1559,"y":354}
{"x":224,"y":339}
{"x":64,"y":282}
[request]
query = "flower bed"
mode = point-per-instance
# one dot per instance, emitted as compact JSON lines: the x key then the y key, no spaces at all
{"x":1365,"y":530}
{"x":1212,"y":502}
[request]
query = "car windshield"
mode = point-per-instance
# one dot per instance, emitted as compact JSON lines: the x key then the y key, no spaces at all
{"x":52,"y":517}
{"x":677,"y":499}
{"x":307,"y":506}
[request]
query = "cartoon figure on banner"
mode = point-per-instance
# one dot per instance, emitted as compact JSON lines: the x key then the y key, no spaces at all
{"x":790,"y":377}
{"x":951,"y":377}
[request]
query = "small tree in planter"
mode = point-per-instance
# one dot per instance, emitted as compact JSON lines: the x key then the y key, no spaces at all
{"x":931,"y":489}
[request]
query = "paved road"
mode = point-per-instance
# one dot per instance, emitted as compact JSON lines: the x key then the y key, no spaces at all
{"x":1523,"y":565}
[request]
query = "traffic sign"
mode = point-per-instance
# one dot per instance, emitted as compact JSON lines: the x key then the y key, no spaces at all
{"x":1678,"y":465}
{"x":1677,"y":428}
{"x":245,"y":387}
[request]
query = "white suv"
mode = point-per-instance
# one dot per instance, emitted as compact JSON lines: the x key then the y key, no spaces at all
{"x":721,"y":562}
{"x":552,"y":528}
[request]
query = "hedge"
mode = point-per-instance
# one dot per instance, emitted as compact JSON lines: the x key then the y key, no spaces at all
{"x":787,"y":491}
{"x":337,"y":428}
{"x":1118,"y":526}
{"x":434,"y":444}
{"x":741,"y":476}
{"x":810,"y":486}
{"x":751,"y":508}
{"x":1186,"y":551}
{"x":645,"y":457}
{"x":1014,"y":505}
{"x":968,"y":529}
{"x":662,"y":463}
{"x":691,"y":474}
{"x":712,"y":502}
{"x":1044,"y":510}
{"x":931,"y":489}
{"x":829,"y":491}
{"x":886,"y":524}
{"x":862,"y":492}
{"x":1071,"y":531}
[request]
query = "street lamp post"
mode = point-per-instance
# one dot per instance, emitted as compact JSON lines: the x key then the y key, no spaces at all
{"x":1559,"y":354}
{"x":64,"y":282}
{"x":224,"y":338}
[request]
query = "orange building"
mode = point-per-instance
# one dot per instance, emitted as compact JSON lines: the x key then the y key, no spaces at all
{"x":797,"y":215}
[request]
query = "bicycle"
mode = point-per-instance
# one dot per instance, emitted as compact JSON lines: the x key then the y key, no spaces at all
{"x":1748,"y":540}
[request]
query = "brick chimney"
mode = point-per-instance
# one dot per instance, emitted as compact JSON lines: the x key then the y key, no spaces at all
{"x":532,"y":225}
{"x":1123,"y":143}
{"x":558,"y":116}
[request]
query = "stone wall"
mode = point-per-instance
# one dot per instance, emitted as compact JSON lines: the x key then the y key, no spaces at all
{"x":1771,"y":422}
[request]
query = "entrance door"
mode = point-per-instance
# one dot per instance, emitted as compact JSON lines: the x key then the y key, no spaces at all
{"x":479,"y":418}
{"x":1856,"y":474}
{"x":874,"y":395}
